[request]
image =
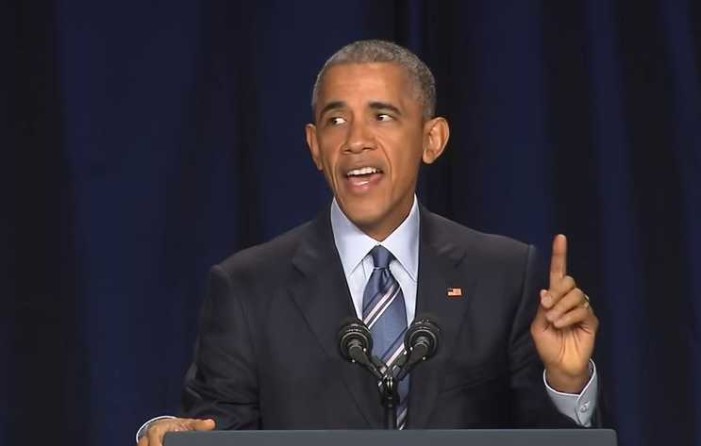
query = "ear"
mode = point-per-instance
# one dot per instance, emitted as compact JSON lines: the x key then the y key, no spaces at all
{"x":436,"y":134}
{"x":313,"y":144}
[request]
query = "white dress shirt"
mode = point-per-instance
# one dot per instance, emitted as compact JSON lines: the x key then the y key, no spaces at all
{"x":354,"y":247}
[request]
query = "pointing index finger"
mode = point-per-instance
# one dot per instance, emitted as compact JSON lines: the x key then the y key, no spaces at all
{"x":558,"y":261}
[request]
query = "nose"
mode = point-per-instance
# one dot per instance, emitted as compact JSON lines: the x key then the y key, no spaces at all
{"x":359,"y":137}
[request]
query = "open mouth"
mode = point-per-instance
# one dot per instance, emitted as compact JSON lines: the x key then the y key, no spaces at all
{"x":362,"y":172}
{"x":363,"y":176}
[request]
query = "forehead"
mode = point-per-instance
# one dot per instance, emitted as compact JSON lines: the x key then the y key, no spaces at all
{"x":362,"y":82}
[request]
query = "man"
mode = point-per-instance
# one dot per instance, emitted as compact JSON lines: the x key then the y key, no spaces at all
{"x":267,"y":356}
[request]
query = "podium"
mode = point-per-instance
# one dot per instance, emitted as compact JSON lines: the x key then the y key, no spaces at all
{"x":471,"y":437}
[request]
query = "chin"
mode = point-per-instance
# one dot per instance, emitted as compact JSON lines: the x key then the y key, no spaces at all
{"x":363,"y":215}
{"x":364,"y":219}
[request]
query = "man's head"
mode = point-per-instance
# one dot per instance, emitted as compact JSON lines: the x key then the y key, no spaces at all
{"x":380,"y":51}
{"x":373,"y":107}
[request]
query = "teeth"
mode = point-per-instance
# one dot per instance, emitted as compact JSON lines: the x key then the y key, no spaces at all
{"x":362,"y":171}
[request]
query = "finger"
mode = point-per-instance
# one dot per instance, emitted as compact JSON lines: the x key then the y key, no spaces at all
{"x":143,"y":441}
{"x":202,"y":425}
{"x":558,"y":261}
{"x":540,"y":322}
{"x":563,"y":286}
{"x":155,"y":436}
{"x":580,"y":317}
{"x":558,"y":290}
{"x":568,"y":302}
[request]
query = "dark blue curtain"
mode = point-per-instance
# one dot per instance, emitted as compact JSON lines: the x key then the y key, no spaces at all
{"x":144,"y":141}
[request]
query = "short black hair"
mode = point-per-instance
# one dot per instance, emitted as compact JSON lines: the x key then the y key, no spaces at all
{"x":379,"y":51}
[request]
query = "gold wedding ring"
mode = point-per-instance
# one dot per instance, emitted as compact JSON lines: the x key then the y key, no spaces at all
{"x":586,"y":301}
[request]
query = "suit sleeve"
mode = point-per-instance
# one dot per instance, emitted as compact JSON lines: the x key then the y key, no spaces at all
{"x":221,"y":383}
{"x":532,"y":407}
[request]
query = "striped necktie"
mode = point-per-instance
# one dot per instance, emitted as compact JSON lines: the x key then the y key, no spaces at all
{"x":384,"y":313}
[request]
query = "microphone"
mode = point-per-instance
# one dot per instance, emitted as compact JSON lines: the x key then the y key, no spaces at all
{"x":355,"y":344}
{"x":421,"y":342}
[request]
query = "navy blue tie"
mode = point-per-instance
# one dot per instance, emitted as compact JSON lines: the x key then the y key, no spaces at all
{"x":384,"y":313}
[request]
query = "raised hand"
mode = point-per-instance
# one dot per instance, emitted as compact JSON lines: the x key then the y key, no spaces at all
{"x":565,"y":326}
{"x":156,"y":431}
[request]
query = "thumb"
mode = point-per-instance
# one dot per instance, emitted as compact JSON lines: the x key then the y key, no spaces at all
{"x":540,"y":322}
{"x":202,"y":425}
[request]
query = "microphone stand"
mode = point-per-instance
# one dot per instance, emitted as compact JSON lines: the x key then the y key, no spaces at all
{"x":421,"y":343}
{"x":356,"y":343}
{"x":389,"y":384}
{"x":390,"y":399}
{"x":389,"y":390}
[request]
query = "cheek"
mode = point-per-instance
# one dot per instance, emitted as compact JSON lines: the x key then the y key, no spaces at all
{"x":407,"y":155}
{"x":326,"y":161}
{"x":327,"y":149}
{"x":406,"y":166}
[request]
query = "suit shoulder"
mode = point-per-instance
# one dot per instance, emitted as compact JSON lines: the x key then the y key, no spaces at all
{"x":481,"y":243}
{"x":267,"y":257}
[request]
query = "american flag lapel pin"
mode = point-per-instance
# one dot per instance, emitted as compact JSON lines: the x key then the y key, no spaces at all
{"x":454,"y":293}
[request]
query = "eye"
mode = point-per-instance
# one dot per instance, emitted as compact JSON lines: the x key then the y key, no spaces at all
{"x":384,"y":117}
{"x":336,"y":120}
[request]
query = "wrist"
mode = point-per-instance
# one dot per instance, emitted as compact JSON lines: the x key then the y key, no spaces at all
{"x":567,"y":382}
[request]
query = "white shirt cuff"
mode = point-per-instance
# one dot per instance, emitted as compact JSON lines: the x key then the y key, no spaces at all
{"x":579,"y":407}
{"x":144,"y":427}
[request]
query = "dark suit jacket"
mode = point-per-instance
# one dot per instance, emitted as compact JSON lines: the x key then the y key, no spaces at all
{"x":267,"y":356}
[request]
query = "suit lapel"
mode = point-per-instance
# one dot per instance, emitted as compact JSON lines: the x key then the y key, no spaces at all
{"x":439,"y":258}
{"x":321,"y":293}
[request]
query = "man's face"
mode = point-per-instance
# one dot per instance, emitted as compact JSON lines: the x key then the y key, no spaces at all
{"x":369,"y":140}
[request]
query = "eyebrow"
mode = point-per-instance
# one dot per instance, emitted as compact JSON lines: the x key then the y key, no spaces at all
{"x":374,"y":105}
{"x":335,"y":105}
{"x":379,"y":106}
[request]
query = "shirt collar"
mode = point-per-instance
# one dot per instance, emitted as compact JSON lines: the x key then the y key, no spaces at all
{"x":353,"y":244}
